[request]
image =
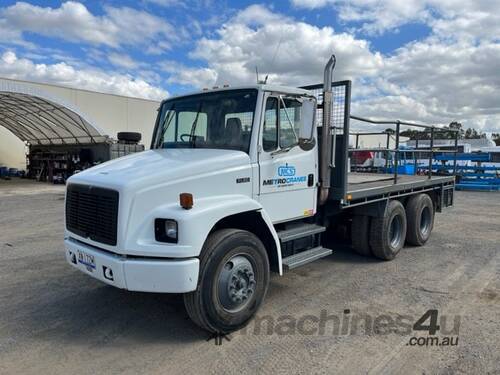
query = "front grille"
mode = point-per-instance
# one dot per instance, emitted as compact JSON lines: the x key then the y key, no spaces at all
{"x":92,"y":212}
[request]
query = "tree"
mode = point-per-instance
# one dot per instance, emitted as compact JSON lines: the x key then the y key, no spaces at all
{"x":414,"y":134}
{"x":455,"y":125}
{"x":496,"y":138}
{"x":471,"y":133}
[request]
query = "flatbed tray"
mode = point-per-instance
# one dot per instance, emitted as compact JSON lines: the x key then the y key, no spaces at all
{"x":365,"y":185}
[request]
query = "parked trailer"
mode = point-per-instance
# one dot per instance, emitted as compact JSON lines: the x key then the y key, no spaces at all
{"x":240,"y":182}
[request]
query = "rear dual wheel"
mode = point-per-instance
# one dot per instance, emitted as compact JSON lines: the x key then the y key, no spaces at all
{"x":385,"y":236}
{"x":388,"y":233}
{"x":360,"y":232}
{"x":420,"y":217}
{"x":382,"y":236}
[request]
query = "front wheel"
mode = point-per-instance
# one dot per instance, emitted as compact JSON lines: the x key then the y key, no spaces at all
{"x":233,"y":281}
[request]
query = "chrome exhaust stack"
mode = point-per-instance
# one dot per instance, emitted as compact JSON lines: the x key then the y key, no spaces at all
{"x":326,"y":139}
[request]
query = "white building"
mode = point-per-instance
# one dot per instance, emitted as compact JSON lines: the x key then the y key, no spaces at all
{"x":38,"y":113}
{"x":470,"y":145}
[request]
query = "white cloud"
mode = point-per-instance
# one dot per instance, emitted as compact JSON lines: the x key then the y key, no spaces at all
{"x":438,"y":82}
{"x":61,"y":73}
{"x":122,"y":60}
{"x":181,"y":74}
{"x":167,"y":3}
{"x":455,"y":18}
{"x":450,"y":75}
{"x":8,"y":35}
{"x":252,"y":37}
{"x":72,"y":21}
{"x":310,"y":4}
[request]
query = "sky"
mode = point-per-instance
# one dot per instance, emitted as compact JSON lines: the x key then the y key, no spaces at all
{"x":433,"y":61}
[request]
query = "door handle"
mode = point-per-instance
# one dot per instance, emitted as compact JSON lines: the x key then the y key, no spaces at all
{"x":310,"y":180}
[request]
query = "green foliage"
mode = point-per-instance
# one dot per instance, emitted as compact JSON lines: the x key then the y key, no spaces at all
{"x":496,"y":138}
{"x":469,"y":133}
{"x":474,"y":134}
{"x":415,"y":134}
{"x":455,"y":125}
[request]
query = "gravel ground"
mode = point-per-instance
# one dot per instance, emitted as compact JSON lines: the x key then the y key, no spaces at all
{"x":56,"y":320}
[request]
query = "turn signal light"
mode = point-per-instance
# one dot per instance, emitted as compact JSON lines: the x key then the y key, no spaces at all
{"x":186,"y":200}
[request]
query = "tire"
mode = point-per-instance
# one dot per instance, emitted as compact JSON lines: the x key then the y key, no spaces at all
{"x":129,"y":137}
{"x":232,"y":282}
{"x":420,"y":218}
{"x":388,"y":233}
{"x":360,"y":235}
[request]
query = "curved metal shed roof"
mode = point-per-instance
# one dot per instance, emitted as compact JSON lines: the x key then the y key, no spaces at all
{"x":40,"y":119}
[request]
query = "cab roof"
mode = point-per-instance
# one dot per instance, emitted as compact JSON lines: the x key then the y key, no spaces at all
{"x":262,"y":87}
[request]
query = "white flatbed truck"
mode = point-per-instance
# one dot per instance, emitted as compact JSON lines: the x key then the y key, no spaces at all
{"x":241,"y":182}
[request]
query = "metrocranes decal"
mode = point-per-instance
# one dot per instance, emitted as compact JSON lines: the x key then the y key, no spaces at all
{"x":286,"y":177}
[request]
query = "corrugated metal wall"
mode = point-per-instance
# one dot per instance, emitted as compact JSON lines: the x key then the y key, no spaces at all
{"x":112,"y":113}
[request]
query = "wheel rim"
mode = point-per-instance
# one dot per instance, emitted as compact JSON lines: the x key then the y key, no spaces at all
{"x":395,"y":231}
{"x":236,"y":283}
{"x":425,"y":221}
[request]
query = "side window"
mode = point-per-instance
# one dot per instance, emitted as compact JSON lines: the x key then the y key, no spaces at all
{"x":290,"y":121}
{"x":186,"y":120}
{"x":270,"y":131}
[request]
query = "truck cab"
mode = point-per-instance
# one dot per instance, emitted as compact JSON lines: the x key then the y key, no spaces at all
{"x":231,"y":189}
{"x":271,"y":126}
{"x":247,"y":154}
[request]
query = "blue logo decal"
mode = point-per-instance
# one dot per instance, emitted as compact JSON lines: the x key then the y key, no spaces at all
{"x":286,"y":171}
{"x":286,"y":177}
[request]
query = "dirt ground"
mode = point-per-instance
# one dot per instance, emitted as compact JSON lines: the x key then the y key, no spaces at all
{"x":56,"y":320}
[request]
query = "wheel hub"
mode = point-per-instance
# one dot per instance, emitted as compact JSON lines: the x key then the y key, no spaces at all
{"x":395,"y":231}
{"x":425,"y":221}
{"x":236,"y":283}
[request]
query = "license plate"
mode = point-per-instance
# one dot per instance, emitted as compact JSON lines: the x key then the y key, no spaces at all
{"x":87,"y":260}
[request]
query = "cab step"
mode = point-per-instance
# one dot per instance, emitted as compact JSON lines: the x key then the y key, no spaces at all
{"x":304,"y":257}
{"x":299,"y":231}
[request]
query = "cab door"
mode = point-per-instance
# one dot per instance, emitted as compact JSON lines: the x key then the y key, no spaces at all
{"x":287,"y":169}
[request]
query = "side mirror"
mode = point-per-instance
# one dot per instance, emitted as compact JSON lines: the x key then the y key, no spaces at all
{"x":307,"y":124}
{"x":306,"y":132}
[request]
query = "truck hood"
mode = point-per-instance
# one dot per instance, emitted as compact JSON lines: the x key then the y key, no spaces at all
{"x":155,"y":166}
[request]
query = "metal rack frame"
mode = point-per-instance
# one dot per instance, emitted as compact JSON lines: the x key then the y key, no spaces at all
{"x":433,"y":130}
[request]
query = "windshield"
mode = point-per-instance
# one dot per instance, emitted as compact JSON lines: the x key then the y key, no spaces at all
{"x":210,"y":120}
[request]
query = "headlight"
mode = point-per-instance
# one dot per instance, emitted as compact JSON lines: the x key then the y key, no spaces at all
{"x":166,"y":230}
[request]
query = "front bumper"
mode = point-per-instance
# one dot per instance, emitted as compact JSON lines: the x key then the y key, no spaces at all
{"x":137,"y":274}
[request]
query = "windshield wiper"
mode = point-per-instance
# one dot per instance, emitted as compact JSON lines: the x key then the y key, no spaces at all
{"x":165,"y":124}
{"x":192,"y":138}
